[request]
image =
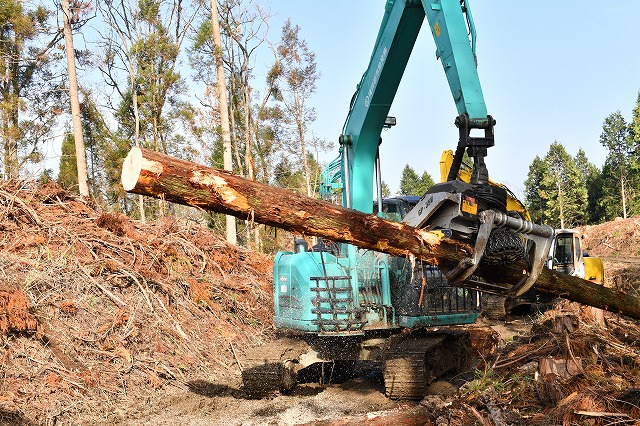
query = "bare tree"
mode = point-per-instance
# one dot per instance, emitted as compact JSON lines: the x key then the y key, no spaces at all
{"x":81,"y":159}
{"x":145,"y":44}
{"x":295,"y":69}
{"x":243,"y":29}
{"x":224,"y":112}
{"x":121,"y":22}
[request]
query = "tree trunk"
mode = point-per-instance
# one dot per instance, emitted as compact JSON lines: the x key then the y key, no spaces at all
{"x":623,"y":192}
{"x":303,"y":148}
{"x":157,"y":175}
{"x":81,"y":159}
{"x":11,"y":131}
{"x":224,"y":112}
{"x":560,"y":201}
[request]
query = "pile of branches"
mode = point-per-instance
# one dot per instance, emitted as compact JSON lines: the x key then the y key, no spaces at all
{"x":569,"y":370}
{"x":96,"y":308}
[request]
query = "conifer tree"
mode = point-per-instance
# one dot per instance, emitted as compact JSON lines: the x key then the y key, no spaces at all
{"x":30,"y":99}
{"x":555,"y":191}
{"x":617,"y":138}
{"x":412,"y":184}
{"x":591,"y":176}
{"x":534,"y":192}
{"x":68,"y":169}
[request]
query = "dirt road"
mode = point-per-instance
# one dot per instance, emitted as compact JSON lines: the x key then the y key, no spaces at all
{"x":221,"y":400}
{"x":209,"y":403}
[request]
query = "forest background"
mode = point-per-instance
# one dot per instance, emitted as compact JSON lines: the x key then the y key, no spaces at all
{"x":147,"y":76}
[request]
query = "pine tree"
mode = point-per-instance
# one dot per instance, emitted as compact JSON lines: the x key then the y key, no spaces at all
{"x":225,"y":129}
{"x":68,"y":169}
{"x":105,"y":151}
{"x":617,"y":138}
{"x":412,"y":184}
{"x":591,"y":176}
{"x":74,"y":98}
{"x":567,"y":194}
{"x":30,"y":99}
{"x":534,"y":192}
{"x":386,"y":192}
{"x":634,"y":161}
{"x":635,"y":125}
{"x":426,"y":182}
{"x":555,"y":191}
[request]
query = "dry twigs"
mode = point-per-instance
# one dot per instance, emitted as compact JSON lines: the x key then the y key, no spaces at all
{"x":137,"y":306}
{"x":601,"y":368}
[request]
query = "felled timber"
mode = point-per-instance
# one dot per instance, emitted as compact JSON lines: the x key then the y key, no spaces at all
{"x":157,"y":175}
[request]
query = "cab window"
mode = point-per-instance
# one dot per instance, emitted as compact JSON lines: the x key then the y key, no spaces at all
{"x":564,"y":250}
{"x":577,"y":246}
{"x":391,"y":212}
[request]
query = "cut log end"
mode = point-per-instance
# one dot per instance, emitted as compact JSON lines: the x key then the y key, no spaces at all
{"x":131,"y":169}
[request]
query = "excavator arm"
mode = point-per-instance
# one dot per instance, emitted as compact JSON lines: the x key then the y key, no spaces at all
{"x":452,"y":27}
{"x":469,"y":210}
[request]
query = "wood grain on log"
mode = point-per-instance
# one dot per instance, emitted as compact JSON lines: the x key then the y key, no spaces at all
{"x":154,"y":174}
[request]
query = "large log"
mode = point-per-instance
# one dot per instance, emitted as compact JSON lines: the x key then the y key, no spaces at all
{"x":153,"y":174}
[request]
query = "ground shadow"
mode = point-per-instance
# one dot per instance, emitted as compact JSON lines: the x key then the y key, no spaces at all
{"x":362,"y":377}
{"x":209,"y":389}
{"x":13,"y":418}
{"x":366,"y":377}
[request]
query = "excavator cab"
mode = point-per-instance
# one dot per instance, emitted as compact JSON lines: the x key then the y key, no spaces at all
{"x":568,"y":258}
{"x":420,"y":293}
{"x":396,"y":208}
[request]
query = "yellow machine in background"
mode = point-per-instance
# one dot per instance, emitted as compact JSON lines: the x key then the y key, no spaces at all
{"x":513,"y":204}
{"x":567,"y":257}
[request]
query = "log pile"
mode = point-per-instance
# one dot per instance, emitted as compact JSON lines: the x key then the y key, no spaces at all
{"x":157,"y":175}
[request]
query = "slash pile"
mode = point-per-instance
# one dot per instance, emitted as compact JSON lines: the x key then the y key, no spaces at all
{"x":97,"y":310}
{"x":568,"y":370}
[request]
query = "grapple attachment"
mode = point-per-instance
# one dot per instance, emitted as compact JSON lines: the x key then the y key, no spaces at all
{"x":478,"y":215}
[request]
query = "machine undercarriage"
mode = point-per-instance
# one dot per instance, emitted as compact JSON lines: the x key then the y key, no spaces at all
{"x":409,"y":361}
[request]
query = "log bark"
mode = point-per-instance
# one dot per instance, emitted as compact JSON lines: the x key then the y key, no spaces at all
{"x":154,"y":174}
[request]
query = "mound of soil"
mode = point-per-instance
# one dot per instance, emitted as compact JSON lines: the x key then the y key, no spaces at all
{"x":618,"y":244}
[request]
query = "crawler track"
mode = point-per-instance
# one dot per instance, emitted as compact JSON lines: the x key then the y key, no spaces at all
{"x":271,"y":368}
{"x":406,"y":375}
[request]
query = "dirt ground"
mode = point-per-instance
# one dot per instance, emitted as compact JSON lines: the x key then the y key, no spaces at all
{"x":104,"y":320}
{"x":215,"y":404}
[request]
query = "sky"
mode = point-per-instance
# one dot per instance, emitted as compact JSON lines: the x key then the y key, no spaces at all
{"x":550,"y":71}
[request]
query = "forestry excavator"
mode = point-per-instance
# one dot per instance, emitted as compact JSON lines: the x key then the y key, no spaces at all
{"x":336,"y":304}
